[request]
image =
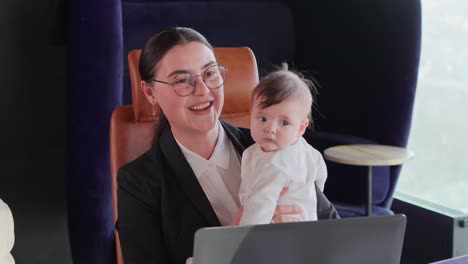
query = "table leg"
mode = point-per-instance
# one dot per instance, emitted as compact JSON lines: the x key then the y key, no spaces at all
{"x":369,"y":192}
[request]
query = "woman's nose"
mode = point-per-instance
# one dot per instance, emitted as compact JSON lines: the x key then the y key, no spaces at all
{"x":200,"y":87}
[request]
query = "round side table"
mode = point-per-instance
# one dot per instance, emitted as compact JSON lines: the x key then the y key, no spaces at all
{"x":368,"y":155}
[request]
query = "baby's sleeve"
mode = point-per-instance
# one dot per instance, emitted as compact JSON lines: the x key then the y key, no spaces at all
{"x":321,"y":171}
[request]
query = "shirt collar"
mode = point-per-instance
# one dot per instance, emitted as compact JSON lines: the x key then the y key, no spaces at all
{"x":221,"y":155}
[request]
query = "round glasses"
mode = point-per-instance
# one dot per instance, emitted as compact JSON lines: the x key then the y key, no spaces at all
{"x":184,"y":83}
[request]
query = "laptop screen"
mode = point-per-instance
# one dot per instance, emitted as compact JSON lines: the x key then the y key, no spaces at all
{"x":376,"y":239}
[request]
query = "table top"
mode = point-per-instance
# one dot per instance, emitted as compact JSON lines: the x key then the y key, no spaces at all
{"x":368,"y":155}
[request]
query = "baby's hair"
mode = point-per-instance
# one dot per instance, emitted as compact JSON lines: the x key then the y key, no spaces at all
{"x":283,"y":83}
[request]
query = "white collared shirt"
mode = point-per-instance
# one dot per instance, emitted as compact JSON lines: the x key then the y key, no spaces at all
{"x":219,"y":176}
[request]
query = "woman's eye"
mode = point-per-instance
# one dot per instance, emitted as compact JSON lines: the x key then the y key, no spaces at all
{"x":210,"y":72}
{"x":262,"y":119}
{"x":182,"y":80}
{"x":284,"y":123}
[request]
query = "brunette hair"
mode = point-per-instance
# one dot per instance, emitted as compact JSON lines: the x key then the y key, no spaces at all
{"x":283,"y":83}
{"x":153,"y":52}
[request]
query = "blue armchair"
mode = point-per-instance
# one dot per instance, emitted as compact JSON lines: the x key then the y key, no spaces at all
{"x":364,"y":55}
{"x":365,"y":60}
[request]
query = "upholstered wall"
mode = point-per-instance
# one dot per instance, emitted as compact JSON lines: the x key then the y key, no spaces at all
{"x":94,"y":90}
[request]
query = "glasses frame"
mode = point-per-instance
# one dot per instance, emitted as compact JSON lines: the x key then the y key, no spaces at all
{"x":193,"y":82}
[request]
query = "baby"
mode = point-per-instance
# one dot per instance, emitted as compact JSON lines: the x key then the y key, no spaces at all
{"x":280,"y":111}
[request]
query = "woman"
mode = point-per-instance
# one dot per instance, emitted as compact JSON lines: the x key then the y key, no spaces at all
{"x":190,"y":177}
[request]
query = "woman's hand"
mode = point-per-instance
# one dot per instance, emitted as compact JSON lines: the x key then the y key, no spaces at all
{"x":237,"y":217}
{"x":285,"y":213}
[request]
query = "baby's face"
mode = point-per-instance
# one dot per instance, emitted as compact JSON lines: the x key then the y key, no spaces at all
{"x":278,"y":126}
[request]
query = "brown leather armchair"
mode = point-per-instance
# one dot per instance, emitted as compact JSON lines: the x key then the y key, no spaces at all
{"x":132,"y":126}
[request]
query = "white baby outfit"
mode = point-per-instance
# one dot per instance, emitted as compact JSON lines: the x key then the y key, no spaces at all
{"x":264,"y":174}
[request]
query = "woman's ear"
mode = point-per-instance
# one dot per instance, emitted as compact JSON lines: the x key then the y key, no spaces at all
{"x":303,"y":127}
{"x":148,"y":91}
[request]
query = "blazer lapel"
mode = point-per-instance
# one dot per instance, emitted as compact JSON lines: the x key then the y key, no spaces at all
{"x":186,"y":177}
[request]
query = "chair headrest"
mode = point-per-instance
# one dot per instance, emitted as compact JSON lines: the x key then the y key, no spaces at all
{"x":242,"y":77}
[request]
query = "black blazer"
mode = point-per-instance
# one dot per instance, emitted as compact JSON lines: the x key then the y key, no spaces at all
{"x":161,"y":204}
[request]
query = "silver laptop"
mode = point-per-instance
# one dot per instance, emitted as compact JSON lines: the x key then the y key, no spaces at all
{"x":362,"y":240}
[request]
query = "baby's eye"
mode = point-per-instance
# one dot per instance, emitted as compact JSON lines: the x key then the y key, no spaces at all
{"x":262,"y":119}
{"x":284,"y":122}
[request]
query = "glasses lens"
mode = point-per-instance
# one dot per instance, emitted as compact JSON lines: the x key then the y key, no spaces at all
{"x":214,"y":76}
{"x":182,"y":84}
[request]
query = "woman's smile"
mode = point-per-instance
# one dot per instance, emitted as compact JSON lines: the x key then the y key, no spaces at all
{"x":201,"y":106}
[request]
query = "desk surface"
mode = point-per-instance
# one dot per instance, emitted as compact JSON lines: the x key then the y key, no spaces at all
{"x":368,"y":155}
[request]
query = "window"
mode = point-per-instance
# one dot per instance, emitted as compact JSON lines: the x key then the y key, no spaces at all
{"x":439,"y":133}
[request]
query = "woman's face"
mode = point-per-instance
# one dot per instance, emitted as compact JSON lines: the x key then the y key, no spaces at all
{"x":198,"y":112}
